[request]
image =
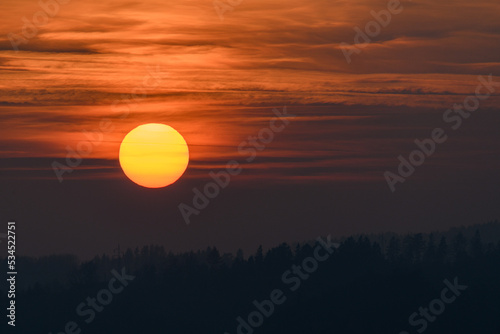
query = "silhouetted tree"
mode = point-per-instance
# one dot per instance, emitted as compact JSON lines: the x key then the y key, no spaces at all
{"x":460,"y":247}
{"x":430,"y":252}
{"x":393,"y":250}
{"x":476,"y":246}
{"x":442,"y":250}
{"x":357,"y":290}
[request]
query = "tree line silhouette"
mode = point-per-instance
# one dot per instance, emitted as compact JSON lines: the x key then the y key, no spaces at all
{"x":366,"y":286}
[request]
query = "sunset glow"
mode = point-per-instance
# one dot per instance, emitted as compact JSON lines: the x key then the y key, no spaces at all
{"x":75,"y":81}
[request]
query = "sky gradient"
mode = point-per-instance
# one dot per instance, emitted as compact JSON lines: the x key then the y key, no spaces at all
{"x":217,"y":82}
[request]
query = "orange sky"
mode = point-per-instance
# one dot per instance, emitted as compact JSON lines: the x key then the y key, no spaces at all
{"x":219,"y":80}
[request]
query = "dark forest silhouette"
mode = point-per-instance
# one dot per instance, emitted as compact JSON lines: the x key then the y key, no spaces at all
{"x":365,"y":286}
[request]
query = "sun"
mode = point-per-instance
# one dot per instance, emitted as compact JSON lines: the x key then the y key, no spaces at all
{"x":154,"y":155}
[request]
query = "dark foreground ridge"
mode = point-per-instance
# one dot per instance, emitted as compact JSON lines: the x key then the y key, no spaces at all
{"x":432,"y":283}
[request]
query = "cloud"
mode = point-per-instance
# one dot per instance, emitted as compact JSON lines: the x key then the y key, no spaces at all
{"x":221,"y":79}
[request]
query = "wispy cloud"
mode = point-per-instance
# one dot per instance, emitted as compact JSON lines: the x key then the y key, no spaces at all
{"x":221,"y":79}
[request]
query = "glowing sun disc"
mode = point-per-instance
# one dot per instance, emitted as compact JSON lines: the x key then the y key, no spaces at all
{"x":154,"y":155}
